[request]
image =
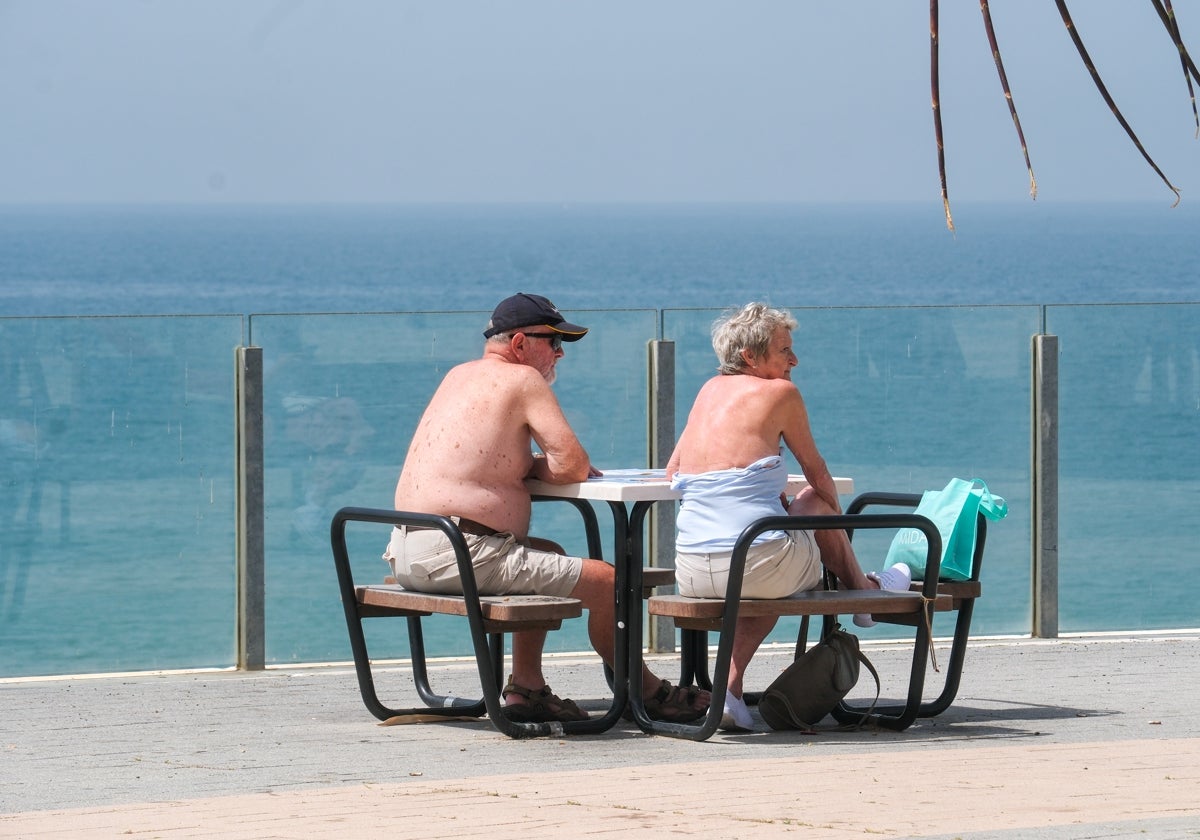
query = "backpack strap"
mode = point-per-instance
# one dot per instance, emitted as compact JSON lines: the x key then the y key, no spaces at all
{"x":862,"y":657}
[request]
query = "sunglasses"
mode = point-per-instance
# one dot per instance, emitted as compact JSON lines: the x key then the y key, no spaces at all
{"x":554,"y":338}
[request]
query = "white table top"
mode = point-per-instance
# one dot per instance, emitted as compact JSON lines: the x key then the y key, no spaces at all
{"x":635,"y":485}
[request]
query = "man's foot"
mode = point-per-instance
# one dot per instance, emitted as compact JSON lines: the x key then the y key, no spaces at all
{"x":677,"y":703}
{"x":540,"y":706}
{"x":894,"y":579}
{"x":737,"y":716}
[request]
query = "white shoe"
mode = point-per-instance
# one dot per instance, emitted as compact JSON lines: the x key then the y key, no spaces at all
{"x":737,"y":716}
{"x":896,"y":578}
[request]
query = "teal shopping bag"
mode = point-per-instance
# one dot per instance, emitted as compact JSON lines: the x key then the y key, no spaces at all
{"x":953,"y":511}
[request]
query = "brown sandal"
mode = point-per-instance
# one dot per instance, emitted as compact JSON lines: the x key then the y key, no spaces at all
{"x":540,"y":706}
{"x":675,"y":703}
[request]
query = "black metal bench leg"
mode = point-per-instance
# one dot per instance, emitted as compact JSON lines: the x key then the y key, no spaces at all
{"x":693,"y":660}
{"x":416,"y":645}
{"x":954,"y":667}
{"x":362,"y":670}
{"x":896,"y":716}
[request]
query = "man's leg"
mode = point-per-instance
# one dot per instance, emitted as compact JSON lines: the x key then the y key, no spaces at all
{"x":527,"y":646}
{"x":595,"y":589}
{"x":527,"y":649}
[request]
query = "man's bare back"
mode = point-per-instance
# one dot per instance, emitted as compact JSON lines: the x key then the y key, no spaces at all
{"x":473,"y":447}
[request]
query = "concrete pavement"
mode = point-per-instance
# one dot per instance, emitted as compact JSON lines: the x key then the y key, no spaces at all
{"x":1072,"y":738}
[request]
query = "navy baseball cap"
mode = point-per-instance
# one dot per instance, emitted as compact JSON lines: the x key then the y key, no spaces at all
{"x":522,"y":310}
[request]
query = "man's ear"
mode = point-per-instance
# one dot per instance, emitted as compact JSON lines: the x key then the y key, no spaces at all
{"x":517,"y":344}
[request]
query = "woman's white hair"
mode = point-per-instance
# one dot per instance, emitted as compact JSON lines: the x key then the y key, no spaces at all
{"x":749,"y":328}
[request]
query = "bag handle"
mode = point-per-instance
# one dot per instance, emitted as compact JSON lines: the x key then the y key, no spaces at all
{"x":992,"y":506}
{"x":792,"y":717}
{"x":862,"y":657}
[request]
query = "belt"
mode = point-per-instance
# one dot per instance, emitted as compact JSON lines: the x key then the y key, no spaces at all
{"x":470,"y":526}
{"x":467,"y":526}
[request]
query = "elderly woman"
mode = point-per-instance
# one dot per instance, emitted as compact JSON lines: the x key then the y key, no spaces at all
{"x":729,"y":470}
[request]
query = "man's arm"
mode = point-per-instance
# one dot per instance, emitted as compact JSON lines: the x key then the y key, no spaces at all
{"x":563,"y":460}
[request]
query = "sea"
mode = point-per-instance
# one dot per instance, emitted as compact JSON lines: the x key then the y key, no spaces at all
{"x":117,"y":260}
{"x":204,"y":259}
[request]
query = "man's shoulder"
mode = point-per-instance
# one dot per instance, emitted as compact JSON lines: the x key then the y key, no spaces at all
{"x":488,"y":367}
{"x":495,"y":374}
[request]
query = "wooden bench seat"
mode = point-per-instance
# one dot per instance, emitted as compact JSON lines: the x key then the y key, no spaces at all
{"x":501,"y":613}
{"x":654,"y":577}
{"x":958,"y":591}
{"x":707,"y":613}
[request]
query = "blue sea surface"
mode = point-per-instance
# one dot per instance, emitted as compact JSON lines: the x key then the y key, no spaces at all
{"x":961,"y":373}
{"x":135,"y":260}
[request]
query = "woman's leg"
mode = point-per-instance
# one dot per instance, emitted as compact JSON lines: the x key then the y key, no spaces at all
{"x":836,"y":553}
{"x":747,"y":638}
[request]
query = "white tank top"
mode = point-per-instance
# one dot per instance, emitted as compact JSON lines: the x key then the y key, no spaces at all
{"x":718,"y":505}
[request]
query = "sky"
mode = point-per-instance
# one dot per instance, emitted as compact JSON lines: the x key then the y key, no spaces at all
{"x":301,"y":101}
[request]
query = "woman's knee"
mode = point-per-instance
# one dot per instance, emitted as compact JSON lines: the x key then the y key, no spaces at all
{"x":808,"y":503}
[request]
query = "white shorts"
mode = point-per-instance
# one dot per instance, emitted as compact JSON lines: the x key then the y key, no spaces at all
{"x":774,"y":569}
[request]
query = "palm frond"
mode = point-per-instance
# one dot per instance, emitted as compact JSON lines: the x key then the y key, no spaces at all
{"x":935,"y":94}
{"x":1012,"y":107}
{"x":1100,"y":86}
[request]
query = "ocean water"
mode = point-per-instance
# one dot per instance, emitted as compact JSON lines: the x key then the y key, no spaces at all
{"x":124,"y":260}
{"x":83,"y":261}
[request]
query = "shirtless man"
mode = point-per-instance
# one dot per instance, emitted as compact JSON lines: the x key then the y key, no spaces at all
{"x":468,"y":460}
{"x":728,"y":467}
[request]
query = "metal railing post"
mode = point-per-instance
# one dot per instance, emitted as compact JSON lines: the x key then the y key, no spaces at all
{"x":1044,"y":493}
{"x":251,"y":586}
{"x":661,"y":435}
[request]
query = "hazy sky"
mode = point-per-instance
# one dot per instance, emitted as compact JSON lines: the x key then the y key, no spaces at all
{"x":575,"y":100}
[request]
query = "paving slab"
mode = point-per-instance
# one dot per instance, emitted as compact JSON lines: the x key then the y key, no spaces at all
{"x":1069,"y":738}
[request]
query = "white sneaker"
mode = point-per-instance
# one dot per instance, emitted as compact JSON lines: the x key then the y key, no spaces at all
{"x":896,"y":578}
{"x":737,"y":716}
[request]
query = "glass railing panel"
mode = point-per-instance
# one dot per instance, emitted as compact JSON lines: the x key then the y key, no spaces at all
{"x":342,"y":397}
{"x":902,"y":400}
{"x":1129,"y":459}
{"x":117,"y":498}
{"x":118,"y":440}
